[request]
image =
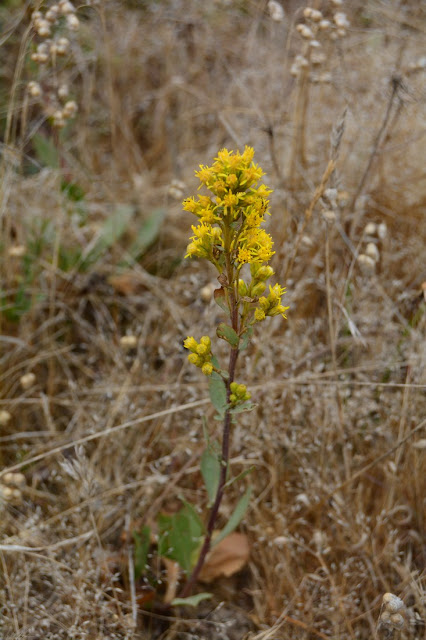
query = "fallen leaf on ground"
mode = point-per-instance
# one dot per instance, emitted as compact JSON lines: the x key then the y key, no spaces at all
{"x":226,"y":558}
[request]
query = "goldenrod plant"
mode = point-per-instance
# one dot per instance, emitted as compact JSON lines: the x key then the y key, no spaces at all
{"x":229,"y":234}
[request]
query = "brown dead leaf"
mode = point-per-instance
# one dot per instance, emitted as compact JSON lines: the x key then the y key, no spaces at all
{"x":126,"y":284}
{"x":173,"y":572}
{"x":228,"y":557}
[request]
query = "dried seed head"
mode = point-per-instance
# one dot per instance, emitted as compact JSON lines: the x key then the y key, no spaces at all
{"x":4,"y":417}
{"x":128,"y":342}
{"x":305,"y":31}
{"x":331,"y":195}
{"x":27,"y":380}
{"x":73,"y":22}
{"x":372,"y":251}
{"x":329,"y":215}
{"x":177,"y":189}
{"x":70,"y":109}
{"x":16,"y":479}
{"x":312,"y":14}
{"x":393,"y":613}
{"x":370,"y":229}
{"x":62,"y":46}
{"x":382,"y":230}
{"x":66,"y":7}
{"x":324,"y":25}
{"x":17,"y":251}
{"x":392,"y":603}
{"x":52,"y":14}
{"x":276,"y":11}
{"x":63,"y":91}
{"x":367,"y":264}
{"x":43,"y":28}
{"x":325,"y":77}
{"x":34,"y":89}
{"x":207,"y":292}
{"x":318,"y":57}
{"x":340,"y":20}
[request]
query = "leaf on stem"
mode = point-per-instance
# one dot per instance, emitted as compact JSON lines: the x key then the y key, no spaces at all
{"x":191,"y":601}
{"x":236,"y":517}
{"x":227,"y":333}
{"x":226,"y":558}
{"x":210,"y":470}
{"x":142,"y":543}
{"x":180,"y":535}
{"x":244,"y":406}
{"x":245,"y":338}
{"x":217,"y":392}
{"x":220,"y":299}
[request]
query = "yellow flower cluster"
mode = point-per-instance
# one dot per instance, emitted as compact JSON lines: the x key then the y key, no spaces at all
{"x":200,"y":353}
{"x":229,"y":232}
{"x":238,"y":206}
{"x":271,"y":306}
{"x":239,"y":393}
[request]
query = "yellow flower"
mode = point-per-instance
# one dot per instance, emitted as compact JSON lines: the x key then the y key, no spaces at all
{"x":232,"y":180}
{"x":190,"y":343}
{"x":207,"y":368}
{"x":230,"y":199}
{"x":244,"y":255}
{"x":204,"y":175}
{"x":193,"y":358}
{"x":190,"y":205}
{"x":248,"y":154}
{"x":202,"y":230}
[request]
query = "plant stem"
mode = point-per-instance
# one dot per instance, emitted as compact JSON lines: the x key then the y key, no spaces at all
{"x":233,"y":356}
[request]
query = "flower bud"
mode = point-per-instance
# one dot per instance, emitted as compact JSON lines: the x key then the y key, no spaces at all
{"x":190,"y":343}
{"x":258,"y":289}
{"x":264,"y":273}
{"x":242,"y":287}
{"x":202,"y":350}
{"x":193,"y":358}
{"x":207,"y":368}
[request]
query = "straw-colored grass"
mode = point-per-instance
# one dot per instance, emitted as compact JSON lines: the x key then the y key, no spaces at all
{"x":108,"y":433}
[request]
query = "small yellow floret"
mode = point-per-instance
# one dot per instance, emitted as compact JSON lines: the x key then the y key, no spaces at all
{"x":207,"y":368}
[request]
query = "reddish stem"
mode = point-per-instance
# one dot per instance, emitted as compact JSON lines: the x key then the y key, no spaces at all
{"x":214,"y":511}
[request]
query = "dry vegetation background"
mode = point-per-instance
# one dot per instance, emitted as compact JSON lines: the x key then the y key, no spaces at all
{"x":107,"y":433}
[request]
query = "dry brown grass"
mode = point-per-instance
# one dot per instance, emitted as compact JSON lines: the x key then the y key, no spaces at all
{"x":107,"y":437}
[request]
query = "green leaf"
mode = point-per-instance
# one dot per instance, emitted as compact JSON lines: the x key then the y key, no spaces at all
{"x":227,"y":333}
{"x":217,"y":392}
{"x":46,"y":151}
{"x":111,"y":231}
{"x":142,"y":543}
{"x":220,"y":299}
{"x":236,"y":517}
{"x":180,"y":536}
{"x":210,"y":470}
{"x":191,"y":601}
{"x":72,"y":190}
{"x":240,"y":476}
{"x":244,"y":406}
{"x":246,"y":338}
{"x":148,"y":233}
